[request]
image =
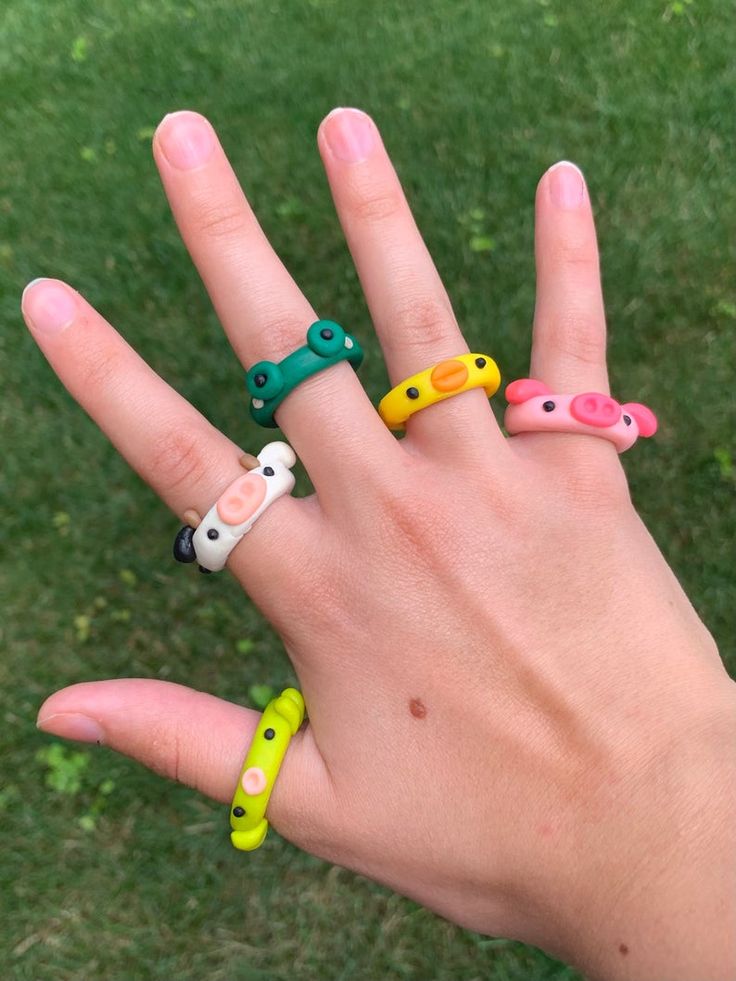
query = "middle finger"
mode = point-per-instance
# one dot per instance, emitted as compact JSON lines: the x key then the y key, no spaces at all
{"x":263,"y":312}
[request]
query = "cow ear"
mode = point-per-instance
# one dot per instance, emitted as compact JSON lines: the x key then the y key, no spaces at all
{"x":524,"y":389}
{"x":645,"y":418}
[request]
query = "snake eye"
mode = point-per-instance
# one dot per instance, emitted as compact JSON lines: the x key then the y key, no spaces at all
{"x":264,"y":380}
{"x":326,"y":338}
{"x":412,"y":393}
{"x":627,"y":420}
{"x":548,"y":406}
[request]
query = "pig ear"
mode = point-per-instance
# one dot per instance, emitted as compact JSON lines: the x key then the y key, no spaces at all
{"x":645,"y":418}
{"x":524,"y":389}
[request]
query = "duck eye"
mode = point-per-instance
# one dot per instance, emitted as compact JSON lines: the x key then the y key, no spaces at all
{"x":627,"y":420}
{"x":269,"y":734}
{"x":548,"y":406}
{"x":480,"y":362}
{"x":412,"y":393}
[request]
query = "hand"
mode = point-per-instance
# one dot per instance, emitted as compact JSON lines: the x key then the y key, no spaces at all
{"x":515,"y":715}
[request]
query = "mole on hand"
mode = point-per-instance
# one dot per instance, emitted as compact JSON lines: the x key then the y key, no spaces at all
{"x":623,"y":949}
{"x":417,"y":708}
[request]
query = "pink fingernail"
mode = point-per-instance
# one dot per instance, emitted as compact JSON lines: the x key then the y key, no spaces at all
{"x":71,"y":725}
{"x":350,"y":134}
{"x":566,"y":185}
{"x":48,"y":306}
{"x":186,"y":138}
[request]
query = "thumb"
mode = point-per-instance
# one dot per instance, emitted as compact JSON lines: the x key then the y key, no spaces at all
{"x":198,"y":740}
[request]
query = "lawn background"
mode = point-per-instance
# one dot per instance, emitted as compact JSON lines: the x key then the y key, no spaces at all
{"x":115,"y":874}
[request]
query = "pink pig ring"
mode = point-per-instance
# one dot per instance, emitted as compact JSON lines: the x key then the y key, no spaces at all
{"x":210,"y":540}
{"x":535,"y":408}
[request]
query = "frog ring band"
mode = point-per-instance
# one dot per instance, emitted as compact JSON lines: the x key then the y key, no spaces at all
{"x":437,"y":383}
{"x":269,"y":383}
{"x":534,"y":408}
{"x":210,"y":540}
{"x":279,"y":722}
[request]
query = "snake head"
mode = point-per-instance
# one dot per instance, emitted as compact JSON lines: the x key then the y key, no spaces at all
{"x":290,"y":706}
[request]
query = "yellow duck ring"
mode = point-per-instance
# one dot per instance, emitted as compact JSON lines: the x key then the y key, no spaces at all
{"x":279,"y":722}
{"x":437,"y":383}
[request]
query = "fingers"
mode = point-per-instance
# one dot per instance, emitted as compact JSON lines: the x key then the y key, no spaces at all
{"x":196,"y":739}
{"x":569,"y":340}
{"x":263,"y":312}
{"x":176,"y":450}
{"x":408,"y":303}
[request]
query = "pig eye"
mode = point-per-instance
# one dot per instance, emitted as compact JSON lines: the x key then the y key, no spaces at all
{"x":412,"y":393}
{"x":627,"y":420}
{"x":269,"y":734}
{"x":268,"y":471}
{"x":548,"y":406}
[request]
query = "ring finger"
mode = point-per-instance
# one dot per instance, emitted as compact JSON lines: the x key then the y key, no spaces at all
{"x":408,"y":303}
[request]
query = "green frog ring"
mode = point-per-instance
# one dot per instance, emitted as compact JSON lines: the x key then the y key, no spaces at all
{"x":269,"y":383}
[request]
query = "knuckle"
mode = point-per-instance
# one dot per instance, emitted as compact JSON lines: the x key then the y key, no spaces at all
{"x":576,"y":337}
{"x":593,"y":485}
{"x":165,"y":749}
{"x":377,"y":205}
{"x":180,"y":458}
{"x":413,"y":521}
{"x":219,"y":220}
{"x":578,"y":252}
{"x":103,"y":369}
{"x":279,"y":333}
{"x":425,"y":321}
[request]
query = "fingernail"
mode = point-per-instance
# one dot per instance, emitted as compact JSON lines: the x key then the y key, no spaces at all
{"x":71,"y":725}
{"x":186,"y":138}
{"x":350,"y":134}
{"x":566,"y":185}
{"x":48,"y":306}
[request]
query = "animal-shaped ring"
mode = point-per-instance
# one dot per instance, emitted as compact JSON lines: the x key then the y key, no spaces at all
{"x":210,"y":540}
{"x":439,"y":382}
{"x":279,"y":722}
{"x":535,"y":408}
{"x":269,"y":383}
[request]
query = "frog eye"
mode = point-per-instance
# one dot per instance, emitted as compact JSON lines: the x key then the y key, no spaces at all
{"x":326,"y":338}
{"x":264,"y":380}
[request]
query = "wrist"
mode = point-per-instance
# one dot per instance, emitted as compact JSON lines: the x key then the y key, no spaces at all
{"x":667,"y":903}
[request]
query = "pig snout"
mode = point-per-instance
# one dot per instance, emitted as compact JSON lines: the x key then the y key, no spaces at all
{"x":594,"y":409}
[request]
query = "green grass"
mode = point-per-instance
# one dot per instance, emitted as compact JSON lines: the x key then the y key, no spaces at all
{"x":475,"y":100}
